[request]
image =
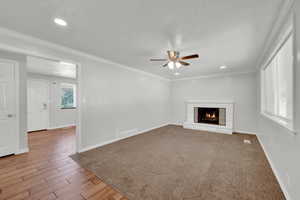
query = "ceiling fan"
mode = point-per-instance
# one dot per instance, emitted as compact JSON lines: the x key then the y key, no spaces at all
{"x":175,"y":61}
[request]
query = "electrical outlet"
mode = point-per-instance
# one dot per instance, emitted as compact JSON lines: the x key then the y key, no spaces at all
{"x":247,"y":141}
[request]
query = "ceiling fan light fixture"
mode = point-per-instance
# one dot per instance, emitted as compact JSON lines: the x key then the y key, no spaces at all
{"x":171,"y":65}
{"x":174,"y":61}
{"x":178,"y":65}
{"x":60,"y":22}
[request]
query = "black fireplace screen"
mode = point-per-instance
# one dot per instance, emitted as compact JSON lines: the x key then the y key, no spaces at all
{"x":208,"y":115}
{"x":215,"y":116}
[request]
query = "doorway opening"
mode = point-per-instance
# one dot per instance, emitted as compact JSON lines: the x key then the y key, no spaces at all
{"x":52,"y":108}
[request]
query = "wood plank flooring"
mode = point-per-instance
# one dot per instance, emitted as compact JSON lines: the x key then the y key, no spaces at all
{"x":47,"y":172}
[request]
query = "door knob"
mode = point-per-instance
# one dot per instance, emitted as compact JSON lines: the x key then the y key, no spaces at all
{"x":10,"y":115}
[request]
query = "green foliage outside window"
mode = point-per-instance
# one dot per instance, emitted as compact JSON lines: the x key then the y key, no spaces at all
{"x":67,"y":99}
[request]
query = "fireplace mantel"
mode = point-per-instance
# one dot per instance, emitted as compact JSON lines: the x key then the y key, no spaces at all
{"x":190,"y":116}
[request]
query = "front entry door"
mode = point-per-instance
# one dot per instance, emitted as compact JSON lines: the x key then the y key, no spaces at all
{"x":38,"y":105}
{"x":8,"y":118}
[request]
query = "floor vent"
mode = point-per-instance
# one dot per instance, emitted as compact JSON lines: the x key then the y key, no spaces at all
{"x":247,"y":141}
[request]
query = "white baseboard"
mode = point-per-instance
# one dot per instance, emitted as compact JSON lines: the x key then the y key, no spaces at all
{"x":176,"y":124}
{"x":63,"y":126}
{"x":275,"y":171}
{"x":120,"y":138}
{"x":244,"y":132}
{"x":25,"y":150}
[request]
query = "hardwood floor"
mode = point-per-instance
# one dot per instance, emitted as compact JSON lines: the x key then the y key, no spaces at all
{"x":48,"y":173}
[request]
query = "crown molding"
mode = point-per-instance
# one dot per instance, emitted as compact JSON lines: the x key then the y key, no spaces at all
{"x":33,"y":41}
{"x":215,"y":75}
{"x":36,"y":42}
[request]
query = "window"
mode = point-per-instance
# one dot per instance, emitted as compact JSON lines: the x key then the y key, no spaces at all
{"x":277,"y":85}
{"x":68,"y":96}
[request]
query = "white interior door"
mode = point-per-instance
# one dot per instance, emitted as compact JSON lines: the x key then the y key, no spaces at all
{"x":38,"y":105}
{"x":8,"y":117}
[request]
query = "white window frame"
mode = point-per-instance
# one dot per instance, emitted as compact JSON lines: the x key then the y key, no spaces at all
{"x":73,"y":86}
{"x":286,"y":123}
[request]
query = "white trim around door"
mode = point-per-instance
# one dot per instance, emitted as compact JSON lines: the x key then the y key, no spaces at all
{"x":16,"y":113}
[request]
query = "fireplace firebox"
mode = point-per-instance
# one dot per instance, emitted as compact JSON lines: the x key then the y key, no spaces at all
{"x":214,"y":116}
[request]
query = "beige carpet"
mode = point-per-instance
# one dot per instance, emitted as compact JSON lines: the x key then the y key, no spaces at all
{"x":172,"y":163}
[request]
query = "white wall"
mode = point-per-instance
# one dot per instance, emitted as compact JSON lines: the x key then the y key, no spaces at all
{"x":297,"y":68}
{"x":114,"y":98}
{"x":117,"y":100}
{"x":239,"y":88}
{"x":280,"y":144}
{"x":57,"y":117}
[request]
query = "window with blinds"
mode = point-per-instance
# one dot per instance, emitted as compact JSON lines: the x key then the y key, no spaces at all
{"x":277,"y":85}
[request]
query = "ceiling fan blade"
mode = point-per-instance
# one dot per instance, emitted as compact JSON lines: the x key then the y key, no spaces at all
{"x":184,"y":63}
{"x":165,"y":65}
{"x":189,"y":57}
{"x":158,"y":59}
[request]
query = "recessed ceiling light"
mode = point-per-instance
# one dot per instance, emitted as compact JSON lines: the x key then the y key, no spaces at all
{"x":176,"y":73}
{"x":223,"y":67}
{"x":60,"y":22}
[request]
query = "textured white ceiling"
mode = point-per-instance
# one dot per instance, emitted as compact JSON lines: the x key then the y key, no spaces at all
{"x":223,"y":32}
{"x":49,"y":67}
